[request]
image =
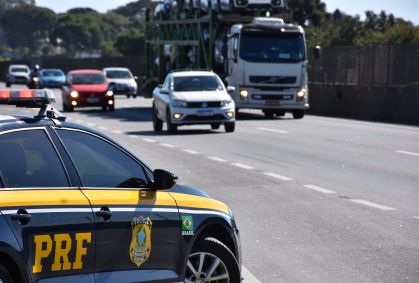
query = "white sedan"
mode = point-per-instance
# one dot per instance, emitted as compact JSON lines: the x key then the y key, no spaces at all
{"x":193,"y":97}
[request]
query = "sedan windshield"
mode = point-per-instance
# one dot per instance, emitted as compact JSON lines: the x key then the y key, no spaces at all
{"x":52,"y":73}
{"x":19,"y":70}
{"x":197,"y":83}
{"x":118,"y":74}
{"x":272,"y":47}
{"x":88,"y":79}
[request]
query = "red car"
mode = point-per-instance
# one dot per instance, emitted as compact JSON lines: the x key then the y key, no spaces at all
{"x":85,"y":88}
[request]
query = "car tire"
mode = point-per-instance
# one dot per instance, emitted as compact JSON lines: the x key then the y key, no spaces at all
{"x":215,"y":126}
{"x":104,"y":108}
{"x":112,"y":108}
{"x":171,"y":128}
{"x":128,"y":95}
{"x":8,"y":84}
{"x":205,"y":253}
{"x":5,"y":276}
{"x":229,"y":127}
{"x":157,"y":123}
{"x":298,"y":114}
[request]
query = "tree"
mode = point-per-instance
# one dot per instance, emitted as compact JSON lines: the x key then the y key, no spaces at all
{"x":28,"y":26}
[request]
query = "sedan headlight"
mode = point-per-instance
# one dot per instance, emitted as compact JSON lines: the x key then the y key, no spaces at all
{"x":74,"y":94}
{"x":226,"y":103}
{"x":109,"y":93}
{"x":179,"y":103}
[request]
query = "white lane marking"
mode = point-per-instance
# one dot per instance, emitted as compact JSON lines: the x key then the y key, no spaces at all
{"x":91,"y":125}
{"x":372,"y":204}
{"x":79,"y":121}
{"x":69,"y":118}
{"x":103,"y":128}
{"x":248,"y":277}
{"x":407,"y":152}
{"x":319,"y":189}
{"x":117,"y":132}
{"x":149,"y":140}
{"x":167,"y":145}
{"x":416,"y":217}
{"x":132,"y":136}
{"x":190,"y":151}
{"x":277,"y":176}
{"x":215,"y":158}
{"x":273,"y":130}
{"x":243,"y":166}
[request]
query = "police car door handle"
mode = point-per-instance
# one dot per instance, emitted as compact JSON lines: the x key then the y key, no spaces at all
{"x":22,"y":216}
{"x":105,"y":213}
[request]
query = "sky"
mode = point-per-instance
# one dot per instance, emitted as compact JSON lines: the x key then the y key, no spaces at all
{"x":400,"y":8}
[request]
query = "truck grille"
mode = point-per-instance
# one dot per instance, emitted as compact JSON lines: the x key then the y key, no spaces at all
{"x":272,"y":96}
{"x":273,"y":79}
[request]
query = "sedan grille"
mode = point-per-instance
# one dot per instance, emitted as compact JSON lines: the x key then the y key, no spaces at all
{"x":204,"y":104}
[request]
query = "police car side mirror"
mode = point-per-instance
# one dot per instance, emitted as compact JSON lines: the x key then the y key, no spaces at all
{"x":163,"y":180}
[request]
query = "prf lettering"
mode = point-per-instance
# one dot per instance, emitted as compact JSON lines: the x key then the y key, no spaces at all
{"x":58,"y":247}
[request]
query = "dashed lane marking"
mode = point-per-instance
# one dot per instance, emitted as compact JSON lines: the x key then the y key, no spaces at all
{"x":416,"y":217}
{"x":319,"y":189}
{"x":133,"y":136}
{"x":243,"y":166}
{"x":117,"y":132}
{"x":91,"y":125}
{"x":273,"y":130}
{"x":277,"y":176}
{"x":103,"y":128}
{"x":167,"y":145}
{"x":79,"y":121}
{"x":149,"y":140}
{"x":215,"y":158}
{"x":372,"y":204}
{"x":407,"y":153}
{"x":190,"y":151}
{"x":248,"y":277}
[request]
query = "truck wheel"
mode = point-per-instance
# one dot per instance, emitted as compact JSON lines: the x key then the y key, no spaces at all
{"x":5,"y":276}
{"x":157,"y":123}
{"x":128,"y":95}
{"x":211,"y":261}
{"x":268,"y":113}
{"x":171,"y":128}
{"x":229,"y":127}
{"x":215,"y":126}
{"x":279,"y":113}
{"x":298,"y":114}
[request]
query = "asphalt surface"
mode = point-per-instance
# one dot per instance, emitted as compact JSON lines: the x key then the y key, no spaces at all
{"x":316,"y":200}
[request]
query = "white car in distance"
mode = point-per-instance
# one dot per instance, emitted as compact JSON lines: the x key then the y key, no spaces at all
{"x":193,"y":97}
{"x":121,"y":81}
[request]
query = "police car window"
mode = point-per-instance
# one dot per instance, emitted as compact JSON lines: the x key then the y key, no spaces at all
{"x":101,"y":164}
{"x":28,"y":159}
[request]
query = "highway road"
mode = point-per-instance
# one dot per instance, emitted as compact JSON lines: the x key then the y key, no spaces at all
{"x":316,"y":200}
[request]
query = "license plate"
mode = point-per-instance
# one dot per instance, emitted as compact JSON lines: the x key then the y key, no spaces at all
{"x":92,"y":100}
{"x":204,"y":113}
{"x":272,"y":102}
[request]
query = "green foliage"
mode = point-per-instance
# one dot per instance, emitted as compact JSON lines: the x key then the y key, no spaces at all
{"x":28,"y":26}
{"x":130,"y":42}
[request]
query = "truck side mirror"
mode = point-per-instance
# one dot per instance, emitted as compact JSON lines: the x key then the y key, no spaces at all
{"x":317,"y":51}
{"x":231,"y":89}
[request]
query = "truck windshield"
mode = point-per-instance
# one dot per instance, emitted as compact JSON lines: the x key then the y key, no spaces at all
{"x":88,"y":79}
{"x":272,"y":47}
{"x":197,"y":83}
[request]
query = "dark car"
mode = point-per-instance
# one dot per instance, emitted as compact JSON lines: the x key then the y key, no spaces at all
{"x":52,"y":78}
{"x":75,"y":206}
{"x":86,"y":88}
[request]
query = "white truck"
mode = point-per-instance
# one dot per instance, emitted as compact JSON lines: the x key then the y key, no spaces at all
{"x":267,"y":64}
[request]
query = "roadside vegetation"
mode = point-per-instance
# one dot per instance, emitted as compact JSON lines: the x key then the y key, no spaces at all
{"x":27,"y":30}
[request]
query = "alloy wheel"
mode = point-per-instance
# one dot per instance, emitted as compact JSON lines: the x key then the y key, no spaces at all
{"x":205,"y":267}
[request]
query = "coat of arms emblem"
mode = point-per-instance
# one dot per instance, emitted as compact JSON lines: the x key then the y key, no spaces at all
{"x":140,"y":247}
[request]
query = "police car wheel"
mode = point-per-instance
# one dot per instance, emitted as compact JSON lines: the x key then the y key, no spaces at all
{"x":229,"y":127}
{"x":5,"y":276}
{"x":211,"y":261}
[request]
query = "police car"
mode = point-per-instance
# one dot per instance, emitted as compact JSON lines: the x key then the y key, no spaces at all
{"x":75,"y":206}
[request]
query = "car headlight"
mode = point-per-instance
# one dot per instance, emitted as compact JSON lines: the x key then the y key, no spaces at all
{"x":109,"y":93}
{"x":74,"y":94}
{"x":179,"y":103}
{"x":35,"y":79}
{"x":226,"y":103}
{"x":133,"y":84}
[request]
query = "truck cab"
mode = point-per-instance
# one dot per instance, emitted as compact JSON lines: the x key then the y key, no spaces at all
{"x":267,"y":65}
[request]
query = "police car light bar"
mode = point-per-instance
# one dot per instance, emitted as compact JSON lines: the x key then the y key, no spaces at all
{"x":31,"y":98}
